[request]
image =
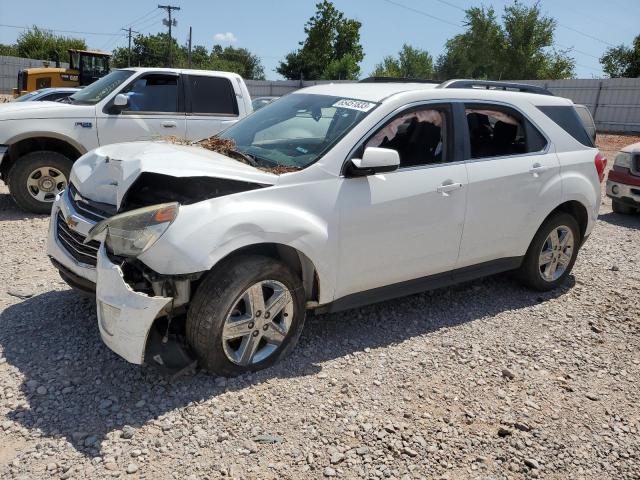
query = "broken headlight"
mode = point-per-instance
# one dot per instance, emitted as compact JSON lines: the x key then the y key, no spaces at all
{"x":129,"y":234}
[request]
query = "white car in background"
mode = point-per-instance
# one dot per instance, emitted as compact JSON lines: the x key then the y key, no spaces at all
{"x":39,"y":141}
{"x":333,"y":197}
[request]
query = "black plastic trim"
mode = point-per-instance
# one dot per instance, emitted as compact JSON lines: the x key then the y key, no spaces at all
{"x":411,"y":287}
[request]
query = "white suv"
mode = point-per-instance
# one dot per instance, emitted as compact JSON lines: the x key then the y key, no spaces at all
{"x":332,"y":197}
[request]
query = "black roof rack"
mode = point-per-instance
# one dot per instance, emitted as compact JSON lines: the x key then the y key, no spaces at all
{"x":397,"y":80}
{"x":492,"y":85}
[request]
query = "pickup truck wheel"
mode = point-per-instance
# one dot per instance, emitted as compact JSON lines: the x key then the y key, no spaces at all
{"x":246,"y":316}
{"x":552,"y":253}
{"x":37,"y":177}
{"x":622,"y":208}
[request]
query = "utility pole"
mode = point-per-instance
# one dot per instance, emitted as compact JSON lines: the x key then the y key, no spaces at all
{"x":170,"y":22}
{"x":190,"y":34}
{"x":129,"y":32}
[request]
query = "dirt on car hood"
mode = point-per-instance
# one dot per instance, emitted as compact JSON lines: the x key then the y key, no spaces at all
{"x":105,"y":174}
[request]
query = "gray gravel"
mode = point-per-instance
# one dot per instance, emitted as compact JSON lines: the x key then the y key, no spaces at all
{"x":484,"y":380}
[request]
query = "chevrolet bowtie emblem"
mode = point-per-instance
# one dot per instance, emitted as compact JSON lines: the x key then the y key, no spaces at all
{"x":71,"y":223}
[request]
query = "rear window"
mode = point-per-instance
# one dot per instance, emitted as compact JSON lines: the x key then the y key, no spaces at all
{"x":567,"y":118}
{"x":211,"y":95}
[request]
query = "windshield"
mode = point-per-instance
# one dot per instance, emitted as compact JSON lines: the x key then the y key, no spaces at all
{"x":27,"y":96}
{"x":100,"y":89}
{"x":296,"y":130}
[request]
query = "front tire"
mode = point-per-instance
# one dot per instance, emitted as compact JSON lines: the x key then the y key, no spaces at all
{"x":37,"y":177}
{"x":552,"y":253}
{"x":622,"y":208}
{"x":246,"y":315}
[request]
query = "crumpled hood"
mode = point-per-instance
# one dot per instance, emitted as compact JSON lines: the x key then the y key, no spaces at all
{"x":105,"y":174}
{"x":31,"y":110}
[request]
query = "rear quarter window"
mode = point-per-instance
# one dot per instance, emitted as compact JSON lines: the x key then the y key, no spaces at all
{"x":568,"y":119}
{"x":211,"y":95}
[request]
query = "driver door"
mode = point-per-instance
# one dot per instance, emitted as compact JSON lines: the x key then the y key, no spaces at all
{"x":407,"y":224}
{"x":155,"y":110}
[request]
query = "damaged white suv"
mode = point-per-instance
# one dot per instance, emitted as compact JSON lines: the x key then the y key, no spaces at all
{"x":332,"y":197}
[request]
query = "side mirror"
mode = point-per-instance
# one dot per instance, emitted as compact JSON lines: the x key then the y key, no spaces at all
{"x":374,"y":160}
{"x":121,"y":100}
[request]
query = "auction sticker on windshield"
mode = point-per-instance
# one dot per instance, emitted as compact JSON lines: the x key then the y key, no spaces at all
{"x":354,"y":105}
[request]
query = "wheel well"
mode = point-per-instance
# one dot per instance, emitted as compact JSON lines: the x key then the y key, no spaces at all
{"x":35,"y":144}
{"x":577,"y":211}
{"x":294,"y":259}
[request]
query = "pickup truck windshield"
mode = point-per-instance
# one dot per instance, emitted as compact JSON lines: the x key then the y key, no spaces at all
{"x":99,"y":89}
{"x":296,"y":130}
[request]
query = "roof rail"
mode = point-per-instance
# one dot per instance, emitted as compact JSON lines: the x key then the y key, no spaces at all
{"x":492,"y":85}
{"x":397,"y":80}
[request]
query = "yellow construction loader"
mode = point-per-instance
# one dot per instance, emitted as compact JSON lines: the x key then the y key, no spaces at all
{"x":85,"y":67}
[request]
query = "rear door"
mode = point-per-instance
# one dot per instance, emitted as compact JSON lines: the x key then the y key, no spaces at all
{"x":212,"y":105}
{"x":155,"y":110}
{"x":514,"y":182}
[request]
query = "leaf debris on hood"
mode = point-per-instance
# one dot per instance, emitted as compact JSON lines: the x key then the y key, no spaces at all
{"x":226,"y":147}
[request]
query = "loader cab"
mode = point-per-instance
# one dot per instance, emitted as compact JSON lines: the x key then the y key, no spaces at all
{"x":85,"y":67}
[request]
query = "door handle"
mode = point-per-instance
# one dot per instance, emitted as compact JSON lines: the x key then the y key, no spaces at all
{"x":446,"y":188}
{"x":169,"y":124}
{"x":537,"y":169}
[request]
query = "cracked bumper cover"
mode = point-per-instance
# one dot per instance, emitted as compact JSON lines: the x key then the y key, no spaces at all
{"x":124,"y":316}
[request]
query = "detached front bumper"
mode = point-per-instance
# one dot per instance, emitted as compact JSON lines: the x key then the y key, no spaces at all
{"x":124,"y":316}
{"x":628,"y":194}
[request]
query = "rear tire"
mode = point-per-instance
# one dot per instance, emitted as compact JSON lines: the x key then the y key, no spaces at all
{"x":622,"y":208}
{"x":549,"y":261}
{"x":37,"y":177}
{"x":229,"y":335}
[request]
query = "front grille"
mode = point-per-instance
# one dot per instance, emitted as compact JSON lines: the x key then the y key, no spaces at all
{"x":72,"y":242}
{"x":88,"y":208}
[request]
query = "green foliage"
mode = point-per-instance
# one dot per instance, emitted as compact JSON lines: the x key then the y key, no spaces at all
{"x":522,"y":47}
{"x":332,"y":48}
{"x":622,"y":61}
{"x":152,"y":51}
{"x":42,"y":45}
{"x":9,"y":50}
{"x":411,"y":63}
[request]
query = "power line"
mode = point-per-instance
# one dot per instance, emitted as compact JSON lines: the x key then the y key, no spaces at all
{"x":150,"y":21}
{"x":61,"y":31}
{"x":420,"y":12}
{"x":586,"y":35}
{"x":155,"y":10}
{"x":453,"y":5}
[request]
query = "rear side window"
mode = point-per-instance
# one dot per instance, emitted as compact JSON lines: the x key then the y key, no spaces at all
{"x":500,"y":131}
{"x":567,"y":118}
{"x":211,"y":96}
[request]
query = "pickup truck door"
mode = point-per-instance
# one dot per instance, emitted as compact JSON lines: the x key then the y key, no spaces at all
{"x":155,"y":110}
{"x":211,"y":105}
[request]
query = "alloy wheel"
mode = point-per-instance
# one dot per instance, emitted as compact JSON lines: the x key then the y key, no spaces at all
{"x":45,"y":183}
{"x":556,"y":253}
{"x":258,"y":323}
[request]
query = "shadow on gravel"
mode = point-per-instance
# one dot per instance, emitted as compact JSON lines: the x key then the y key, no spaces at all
{"x":9,"y":211}
{"x":78,"y":389}
{"x":628,"y":221}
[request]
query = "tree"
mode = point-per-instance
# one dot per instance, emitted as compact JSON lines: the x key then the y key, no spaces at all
{"x":411,"y":63}
{"x":332,"y":47}
{"x":151,"y":51}
{"x":622,"y":61}
{"x":238,"y":60}
{"x":520,"y":48}
{"x":44,"y":45}
{"x":9,"y":50}
{"x":148,"y":51}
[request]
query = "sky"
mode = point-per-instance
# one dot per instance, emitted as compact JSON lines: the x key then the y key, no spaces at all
{"x":272,"y":28}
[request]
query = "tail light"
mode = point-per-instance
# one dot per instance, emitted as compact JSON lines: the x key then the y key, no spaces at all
{"x":601,"y":165}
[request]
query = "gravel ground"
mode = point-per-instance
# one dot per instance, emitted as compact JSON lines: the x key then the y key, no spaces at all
{"x":484,"y":380}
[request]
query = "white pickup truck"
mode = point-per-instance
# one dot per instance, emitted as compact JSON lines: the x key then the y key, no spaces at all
{"x":39,"y":141}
